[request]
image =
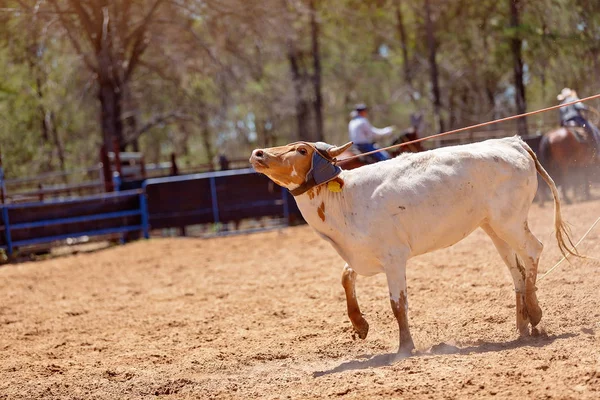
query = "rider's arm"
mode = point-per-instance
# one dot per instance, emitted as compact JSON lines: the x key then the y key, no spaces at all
{"x":379,"y":132}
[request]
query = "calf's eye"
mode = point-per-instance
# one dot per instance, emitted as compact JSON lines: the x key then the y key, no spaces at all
{"x":302,"y":151}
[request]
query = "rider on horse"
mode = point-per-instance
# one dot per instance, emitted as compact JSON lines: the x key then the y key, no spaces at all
{"x":363,"y":134}
{"x":571,"y":116}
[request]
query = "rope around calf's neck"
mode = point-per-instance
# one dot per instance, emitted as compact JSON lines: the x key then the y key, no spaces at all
{"x":486,"y":124}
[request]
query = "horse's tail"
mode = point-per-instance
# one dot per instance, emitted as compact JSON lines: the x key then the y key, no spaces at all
{"x":563,"y":237}
{"x":544,"y":152}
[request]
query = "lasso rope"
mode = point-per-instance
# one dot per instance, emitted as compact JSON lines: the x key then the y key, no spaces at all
{"x":564,"y":257}
{"x":596,"y":96}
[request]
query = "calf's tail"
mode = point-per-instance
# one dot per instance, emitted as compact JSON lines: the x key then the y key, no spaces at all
{"x":563,"y":237}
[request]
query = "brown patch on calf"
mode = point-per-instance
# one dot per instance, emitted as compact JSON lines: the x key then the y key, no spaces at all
{"x":321,"y":211}
{"x":533,"y":308}
{"x":311,"y":193}
{"x":522,"y":315}
{"x":318,"y":189}
{"x":401,"y":313}
{"x":520,"y":266}
{"x":361,"y":326}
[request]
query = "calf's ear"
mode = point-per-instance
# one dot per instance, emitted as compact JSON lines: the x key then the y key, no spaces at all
{"x":337,"y":150}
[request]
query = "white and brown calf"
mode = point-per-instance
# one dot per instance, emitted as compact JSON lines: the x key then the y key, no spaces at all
{"x":391,"y":211}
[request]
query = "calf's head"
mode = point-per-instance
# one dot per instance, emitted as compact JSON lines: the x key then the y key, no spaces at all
{"x":298,"y":166}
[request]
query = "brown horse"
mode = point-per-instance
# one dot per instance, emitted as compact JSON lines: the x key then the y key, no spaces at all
{"x":569,"y":160}
{"x":408,"y":135}
{"x":360,"y":161}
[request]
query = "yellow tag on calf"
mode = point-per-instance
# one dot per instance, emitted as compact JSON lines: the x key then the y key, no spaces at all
{"x":334,"y":186}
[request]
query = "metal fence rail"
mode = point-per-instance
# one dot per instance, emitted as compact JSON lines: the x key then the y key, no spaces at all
{"x":214,"y":197}
{"x":173,"y":202}
{"x":26,"y":224}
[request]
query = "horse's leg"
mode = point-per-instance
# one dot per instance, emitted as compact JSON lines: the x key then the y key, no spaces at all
{"x":564,"y":183}
{"x":586,"y":183}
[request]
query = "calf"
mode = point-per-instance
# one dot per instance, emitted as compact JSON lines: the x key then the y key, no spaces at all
{"x":378,"y":216}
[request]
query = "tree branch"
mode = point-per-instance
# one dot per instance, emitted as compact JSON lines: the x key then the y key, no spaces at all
{"x":157,"y":120}
{"x":86,"y":21}
{"x":69,"y":30}
{"x":140,"y":44}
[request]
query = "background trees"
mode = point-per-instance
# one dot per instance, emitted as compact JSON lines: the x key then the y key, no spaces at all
{"x":202,"y":77}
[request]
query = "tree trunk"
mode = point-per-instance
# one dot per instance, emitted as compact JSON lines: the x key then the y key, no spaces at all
{"x":302,"y":113}
{"x":403,"y":43}
{"x":42,"y":110}
{"x":489,"y":93}
{"x":60,"y":150}
{"x":316,"y":77}
{"x":516,"y":45}
{"x":433,"y":69}
{"x":205,"y":132}
{"x":110,"y":116}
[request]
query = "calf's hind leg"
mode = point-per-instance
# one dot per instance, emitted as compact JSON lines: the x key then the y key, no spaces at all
{"x":518,"y":274}
{"x":528,"y":248}
{"x":361,"y":326}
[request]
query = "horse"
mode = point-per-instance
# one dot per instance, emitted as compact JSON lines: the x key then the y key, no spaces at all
{"x":569,"y":160}
{"x":407,"y":135}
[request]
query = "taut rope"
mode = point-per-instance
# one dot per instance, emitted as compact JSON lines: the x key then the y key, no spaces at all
{"x":596,"y":96}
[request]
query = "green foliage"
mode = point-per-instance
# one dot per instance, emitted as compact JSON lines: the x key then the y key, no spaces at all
{"x":215,"y":75}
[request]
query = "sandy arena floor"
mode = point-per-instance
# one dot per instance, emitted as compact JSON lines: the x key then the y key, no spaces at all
{"x":263,"y":316}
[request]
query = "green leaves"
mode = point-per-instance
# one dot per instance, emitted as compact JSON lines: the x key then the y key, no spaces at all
{"x":221,"y":68}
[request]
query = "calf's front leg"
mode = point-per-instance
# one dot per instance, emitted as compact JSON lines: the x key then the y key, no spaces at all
{"x":361,"y":327}
{"x":396,"y":278}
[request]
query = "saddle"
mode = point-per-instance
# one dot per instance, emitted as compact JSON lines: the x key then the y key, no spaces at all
{"x":370,"y":159}
{"x":581,"y":133}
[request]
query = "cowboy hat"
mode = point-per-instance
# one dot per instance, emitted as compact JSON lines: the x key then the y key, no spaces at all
{"x":566,"y":92}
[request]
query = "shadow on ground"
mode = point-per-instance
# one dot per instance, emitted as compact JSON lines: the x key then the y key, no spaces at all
{"x":383,"y":360}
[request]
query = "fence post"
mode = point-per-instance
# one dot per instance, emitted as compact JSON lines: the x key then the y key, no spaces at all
{"x":7,"y":235}
{"x":117,"y":152}
{"x":144,"y":210}
{"x":215,"y":200}
{"x":143,"y":167}
{"x":174,"y":170}
{"x":117,"y":188}
{"x":106,"y":169}
{"x":2,"y":185}
{"x":286,"y":207}
{"x":117,"y":181}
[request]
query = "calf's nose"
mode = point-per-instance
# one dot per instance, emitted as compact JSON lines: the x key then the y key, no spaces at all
{"x":258,"y":153}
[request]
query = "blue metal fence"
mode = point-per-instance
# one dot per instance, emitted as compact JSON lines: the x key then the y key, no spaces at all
{"x":214,"y":197}
{"x":33,"y":223}
{"x":179,"y":201}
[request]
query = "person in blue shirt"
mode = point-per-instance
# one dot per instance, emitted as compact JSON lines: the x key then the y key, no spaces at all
{"x":571,"y":116}
{"x":364,"y":135}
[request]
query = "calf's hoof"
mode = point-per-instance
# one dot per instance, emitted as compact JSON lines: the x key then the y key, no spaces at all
{"x":523,"y":330}
{"x":406,"y":350}
{"x":535,"y":314}
{"x":361,"y":328}
{"x":533,"y":309}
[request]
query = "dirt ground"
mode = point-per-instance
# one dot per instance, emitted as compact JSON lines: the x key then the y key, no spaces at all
{"x":263,"y":316}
